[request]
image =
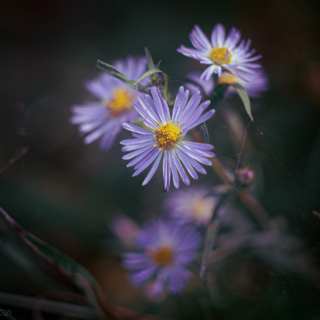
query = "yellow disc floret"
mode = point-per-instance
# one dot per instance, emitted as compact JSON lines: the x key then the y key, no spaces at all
{"x":167,"y":135}
{"x":228,"y":78}
{"x":122,"y":101}
{"x":220,"y":56}
{"x":162,"y":255}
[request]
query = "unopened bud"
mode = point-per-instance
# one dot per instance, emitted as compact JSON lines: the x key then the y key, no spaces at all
{"x":245,"y":176}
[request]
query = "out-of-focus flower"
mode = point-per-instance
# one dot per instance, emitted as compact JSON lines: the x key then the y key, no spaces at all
{"x":221,"y":52}
{"x":191,"y":205}
{"x":166,"y":137}
{"x":104,"y":119}
{"x":166,"y":248}
{"x":206,"y":85}
{"x":125,"y":229}
{"x":255,"y":84}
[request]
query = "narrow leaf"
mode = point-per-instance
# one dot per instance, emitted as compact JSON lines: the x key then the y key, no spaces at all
{"x":112,"y":71}
{"x":150,"y":72}
{"x":211,"y":235}
{"x":244,"y":97}
{"x":204,"y":132}
{"x":212,"y":232}
{"x":149,"y":59}
{"x":101,"y":63}
{"x":40,"y":256}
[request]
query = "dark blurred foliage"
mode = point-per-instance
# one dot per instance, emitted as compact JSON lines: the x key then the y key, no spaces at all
{"x":65,"y":192}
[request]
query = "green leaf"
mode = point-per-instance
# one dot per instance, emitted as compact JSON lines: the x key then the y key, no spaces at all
{"x":149,"y":59}
{"x":34,"y":255}
{"x":204,"y":132}
{"x":211,"y":235}
{"x":99,"y":63}
{"x":244,"y":97}
{"x":112,"y":71}
{"x":150,"y":72}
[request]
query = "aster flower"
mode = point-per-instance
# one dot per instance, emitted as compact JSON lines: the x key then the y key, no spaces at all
{"x":222,"y":52}
{"x":124,"y":229}
{"x":191,"y":205}
{"x":255,"y":84}
{"x":103,"y":119}
{"x":166,"y":249}
{"x":206,"y":85}
{"x":166,"y":138}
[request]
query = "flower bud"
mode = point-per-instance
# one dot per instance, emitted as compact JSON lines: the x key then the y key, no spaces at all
{"x":245,"y":176}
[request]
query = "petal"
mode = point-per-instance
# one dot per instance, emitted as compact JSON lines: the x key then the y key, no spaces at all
{"x":153,"y":155}
{"x":182,"y":173}
{"x":175,"y":176}
{"x":186,"y":163}
{"x":134,"y":128}
{"x":202,"y":119}
{"x":166,"y":171}
{"x":153,"y":169}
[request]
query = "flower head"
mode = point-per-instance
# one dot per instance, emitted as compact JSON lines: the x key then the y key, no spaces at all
{"x":166,"y":138}
{"x":191,"y":205}
{"x":124,"y":229}
{"x":255,"y":85}
{"x":103,"y":119}
{"x":222,"y":52}
{"x":165,"y":250}
{"x":206,"y":85}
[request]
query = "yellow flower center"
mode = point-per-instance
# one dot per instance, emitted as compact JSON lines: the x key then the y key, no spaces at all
{"x":228,"y":78}
{"x":162,"y":255}
{"x":122,"y":101}
{"x":220,"y":56}
{"x":167,"y":135}
{"x":202,"y":208}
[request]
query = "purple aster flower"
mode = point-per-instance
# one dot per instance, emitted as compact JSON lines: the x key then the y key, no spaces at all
{"x":221,"y":52}
{"x":103,"y":119}
{"x":255,"y":84}
{"x":124,"y":229}
{"x":191,"y":205}
{"x":206,"y":85}
{"x":166,"y":249}
{"x":166,"y":138}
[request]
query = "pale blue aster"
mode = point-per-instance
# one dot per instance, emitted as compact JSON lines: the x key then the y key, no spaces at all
{"x":103,"y":119}
{"x":165,"y":139}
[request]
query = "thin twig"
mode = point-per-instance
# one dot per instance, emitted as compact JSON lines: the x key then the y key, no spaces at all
{"x":256,"y":208}
{"x":17,"y":155}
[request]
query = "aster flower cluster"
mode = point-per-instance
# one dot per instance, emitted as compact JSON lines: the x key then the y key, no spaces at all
{"x":169,"y":133}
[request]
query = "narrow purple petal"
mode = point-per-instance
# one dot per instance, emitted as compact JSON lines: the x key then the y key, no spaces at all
{"x":153,"y":170}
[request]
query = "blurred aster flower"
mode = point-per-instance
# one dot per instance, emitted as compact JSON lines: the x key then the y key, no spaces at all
{"x":255,"y":84}
{"x":206,"y":85}
{"x":124,"y":229}
{"x":104,"y":119}
{"x":166,"y":249}
{"x":191,"y":205}
{"x":221,"y":52}
{"x":166,"y":137}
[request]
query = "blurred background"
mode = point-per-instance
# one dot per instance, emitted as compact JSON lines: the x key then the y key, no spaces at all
{"x":66,"y":192}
